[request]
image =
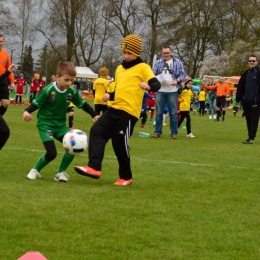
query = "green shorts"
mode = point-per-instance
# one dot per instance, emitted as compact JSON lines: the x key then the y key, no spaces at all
{"x":49,"y":133}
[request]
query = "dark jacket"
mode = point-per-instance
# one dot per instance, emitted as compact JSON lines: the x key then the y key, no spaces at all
{"x":241,"y":96}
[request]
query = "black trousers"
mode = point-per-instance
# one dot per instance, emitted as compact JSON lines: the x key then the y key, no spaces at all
{"x":202,"y":107}
{"x":4,"y":132}
{"x":100,"y":108}
{"x":118,"y":126}
{"x":252,"y":113}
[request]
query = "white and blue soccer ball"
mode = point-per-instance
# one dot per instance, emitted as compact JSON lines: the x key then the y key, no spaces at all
{"x":75,"y":141}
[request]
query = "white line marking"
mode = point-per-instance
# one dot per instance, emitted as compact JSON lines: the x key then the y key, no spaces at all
{"x":133,"y":158}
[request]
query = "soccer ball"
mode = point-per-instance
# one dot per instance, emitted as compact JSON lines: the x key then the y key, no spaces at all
{"x":75,"y":141}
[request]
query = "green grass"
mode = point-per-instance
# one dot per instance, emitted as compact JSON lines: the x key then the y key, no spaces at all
{"x":190,"y":199}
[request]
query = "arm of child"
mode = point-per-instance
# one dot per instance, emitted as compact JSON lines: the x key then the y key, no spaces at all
{"x":27,"y":116}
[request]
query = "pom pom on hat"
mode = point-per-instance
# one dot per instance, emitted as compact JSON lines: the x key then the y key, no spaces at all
{"x":133,"y":44}
{"x":103,"y":72}
{"x":187,"y":80}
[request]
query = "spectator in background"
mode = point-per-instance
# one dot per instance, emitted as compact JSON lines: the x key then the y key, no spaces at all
{"x":170,"y":72}
{"x":5,"y":62}
{"x":99,"y":90}
{"x":212,"y":99}
{"x":76,"y":85}
{"x":248,"y":93}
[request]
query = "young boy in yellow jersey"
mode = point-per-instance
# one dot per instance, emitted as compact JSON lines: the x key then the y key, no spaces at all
{"x":185,"y":102}
{"x":132,"y":78}
{"x":202,"y":101}
{"x":99,"y":89}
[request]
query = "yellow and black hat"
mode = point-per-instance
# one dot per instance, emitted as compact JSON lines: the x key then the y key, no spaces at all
{"x":133,"y":44}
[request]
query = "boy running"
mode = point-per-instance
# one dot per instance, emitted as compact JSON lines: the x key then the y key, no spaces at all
{"x":53,"y":102}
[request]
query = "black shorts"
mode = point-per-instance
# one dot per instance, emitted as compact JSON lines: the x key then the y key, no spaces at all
{"x":70,"y":109}
{"x":221,"y":102}
{"x":4,"y":91}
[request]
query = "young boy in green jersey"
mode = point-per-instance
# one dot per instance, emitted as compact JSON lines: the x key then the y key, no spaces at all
{"x":52,"y":104}
{"x":132,"y":78}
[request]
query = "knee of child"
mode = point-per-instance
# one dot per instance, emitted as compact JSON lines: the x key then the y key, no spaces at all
{"x":51,"y":156}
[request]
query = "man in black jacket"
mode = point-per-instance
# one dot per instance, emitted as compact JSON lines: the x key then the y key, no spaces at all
{"x":248,"y":93}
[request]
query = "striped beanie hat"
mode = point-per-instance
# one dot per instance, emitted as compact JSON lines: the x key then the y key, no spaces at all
{"x":133,"y":44}
{"x":187,"y":80}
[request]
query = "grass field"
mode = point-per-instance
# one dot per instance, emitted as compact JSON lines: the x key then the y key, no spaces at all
{"x":190,"y":199}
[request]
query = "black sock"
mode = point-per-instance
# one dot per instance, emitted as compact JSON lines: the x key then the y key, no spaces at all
{"x":2,"y":110}
{"x":71,"y":121}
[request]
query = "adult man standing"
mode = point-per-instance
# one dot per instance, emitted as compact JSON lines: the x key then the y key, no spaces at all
{"x":170,"y":72}
{"x":248,"y":93}
{"x":5,"y":62}
{"x":222,"y":89}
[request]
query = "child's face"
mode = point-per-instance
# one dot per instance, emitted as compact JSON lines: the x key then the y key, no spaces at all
{"x":128,"y":56}
{"x":189,"y":85}
{"x":64,"y":81}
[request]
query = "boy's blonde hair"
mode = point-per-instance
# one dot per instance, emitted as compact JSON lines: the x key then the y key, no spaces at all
{"x":103,"y":72}
{"x":66,"y":67}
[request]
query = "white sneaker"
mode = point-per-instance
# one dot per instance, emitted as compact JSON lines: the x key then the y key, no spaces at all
{"x":190,"y":135}
{"x":214,"y":116}
{"x":33,"y":174}
{"x":61,"y":177}
{"x":210,"y":117}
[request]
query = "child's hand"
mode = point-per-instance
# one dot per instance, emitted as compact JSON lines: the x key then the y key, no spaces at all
{"x":106,"y":97}
{"x":95,"y":119}
{"x":27,"y":116}
{"x":12,"y":66}
{"x":144,"y":86}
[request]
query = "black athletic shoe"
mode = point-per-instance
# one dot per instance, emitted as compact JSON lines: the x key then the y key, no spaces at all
{"x":248,"y":141}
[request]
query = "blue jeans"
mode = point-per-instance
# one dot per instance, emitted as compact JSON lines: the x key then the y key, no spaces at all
{"x":171,"y":98}
{"x":212,"y":106}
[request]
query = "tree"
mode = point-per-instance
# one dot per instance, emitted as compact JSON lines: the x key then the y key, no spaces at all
{"x":27,"y":63}
{"x":21,"y":28}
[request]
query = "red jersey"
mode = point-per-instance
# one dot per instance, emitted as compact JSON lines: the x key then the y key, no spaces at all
{"x":34,"y":85}
{"x":19,"y":85}
{"x":151,"y":102}
{"x":41,"y":86}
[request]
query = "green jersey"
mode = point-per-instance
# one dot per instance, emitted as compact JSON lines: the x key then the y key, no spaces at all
{"x":53,"y":104}
{"x":235,"y":104}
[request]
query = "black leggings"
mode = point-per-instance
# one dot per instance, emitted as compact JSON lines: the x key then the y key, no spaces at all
{"x":183,"y":115}
{"x":51,"y":151}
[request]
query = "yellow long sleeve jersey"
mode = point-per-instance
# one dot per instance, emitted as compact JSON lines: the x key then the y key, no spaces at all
{"x":128,"y":94}
{"x":185,"y":99}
